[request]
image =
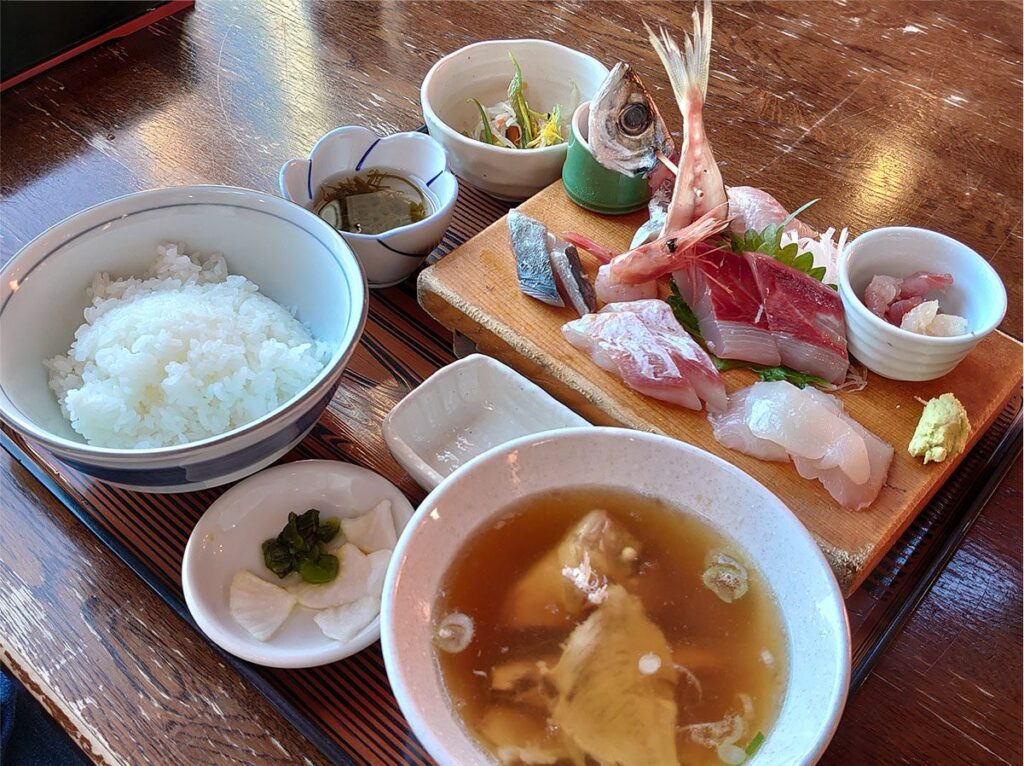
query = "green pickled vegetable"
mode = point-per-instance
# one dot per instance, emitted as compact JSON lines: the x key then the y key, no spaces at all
{"x":299,"y":548}
{"x":517,"y":100}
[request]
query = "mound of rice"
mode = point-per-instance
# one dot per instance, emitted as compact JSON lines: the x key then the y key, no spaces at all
{"x":187,"y":352}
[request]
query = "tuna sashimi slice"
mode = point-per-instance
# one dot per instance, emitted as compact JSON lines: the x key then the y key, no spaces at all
{"x":619,"y":342}
{"x":693,"y":361}
{"x":721,"y":290}
{"x":899,"y":309}
{"x":921,"y":283}
{"x":805,"y":317}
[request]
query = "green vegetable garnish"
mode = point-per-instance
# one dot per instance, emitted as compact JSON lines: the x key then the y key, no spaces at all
{"x":755,"y":743}
{"x":685,"y":316}
{"x":299,"y":548}
{"x":323,"y":568}
{"x":488,"y":135}
{"x":769,"y":242}
{"x":519,"y":106}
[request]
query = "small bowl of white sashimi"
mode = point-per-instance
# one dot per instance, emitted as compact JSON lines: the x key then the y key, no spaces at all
{"x":916,"y":301}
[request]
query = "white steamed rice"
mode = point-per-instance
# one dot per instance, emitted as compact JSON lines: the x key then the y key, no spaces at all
{"x":187,"y":352}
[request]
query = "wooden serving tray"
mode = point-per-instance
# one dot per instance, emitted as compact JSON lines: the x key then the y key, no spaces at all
{"x":474,"y":291}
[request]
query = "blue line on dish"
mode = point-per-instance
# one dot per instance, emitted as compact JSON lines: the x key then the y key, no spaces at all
{"x":439,"y":174}
{"x":359,"y":165}
{"x":309,"y":180}
{"x":386,"y":246}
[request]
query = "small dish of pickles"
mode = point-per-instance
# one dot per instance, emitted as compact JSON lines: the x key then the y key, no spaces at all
{"x":286,"y":568}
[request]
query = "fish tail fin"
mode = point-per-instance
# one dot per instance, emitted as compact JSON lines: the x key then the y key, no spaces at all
{"x":688,"y":72}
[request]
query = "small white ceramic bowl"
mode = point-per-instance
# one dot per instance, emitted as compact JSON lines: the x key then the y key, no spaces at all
{"x":391,"y":256}
{"x":743,"y":510}
{"x":462,"y":411}
{"x":977,"y":294}
{"x":228,"y":538}
{"x":483,"y":71}
{"x":295,"y":258}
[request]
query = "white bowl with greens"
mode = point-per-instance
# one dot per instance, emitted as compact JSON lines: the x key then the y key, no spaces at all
{"x":482,"y":72}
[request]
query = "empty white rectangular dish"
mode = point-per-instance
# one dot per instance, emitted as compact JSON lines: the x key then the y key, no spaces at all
{"x":462,"y":411}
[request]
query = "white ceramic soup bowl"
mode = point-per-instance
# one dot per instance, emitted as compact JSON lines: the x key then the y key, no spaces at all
{"x":690,"y":479}
{"x":977,"y":294}
{"x":391,"y":256}
{"x":483,"y":71}
{"x":295,"y":258}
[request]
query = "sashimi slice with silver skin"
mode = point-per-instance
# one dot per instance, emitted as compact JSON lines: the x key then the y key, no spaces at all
{"x":529,"y":240}
{"x":569,"y":272}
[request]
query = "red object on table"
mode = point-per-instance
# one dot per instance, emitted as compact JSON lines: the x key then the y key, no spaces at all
{"x":121,"y":30}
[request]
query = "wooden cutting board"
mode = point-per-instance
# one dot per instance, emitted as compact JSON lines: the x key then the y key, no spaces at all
{"x":474,"y":291}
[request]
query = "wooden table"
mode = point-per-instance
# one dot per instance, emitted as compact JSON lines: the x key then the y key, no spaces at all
{"x":894,"y":112}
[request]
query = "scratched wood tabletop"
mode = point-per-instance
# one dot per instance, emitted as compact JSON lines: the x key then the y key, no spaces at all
{"x":890,"y":112}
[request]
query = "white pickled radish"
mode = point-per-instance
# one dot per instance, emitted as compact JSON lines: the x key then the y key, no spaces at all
{"x":345,"y":622}
{"x":379,"y":561}
{"x":354,"y":572}
{"x":257,"y":605}
{"x":374,"y":530}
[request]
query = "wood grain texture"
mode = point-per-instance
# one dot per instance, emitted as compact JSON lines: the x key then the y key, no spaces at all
{"x":905,"y":112}
{"x":109,"y":660}
{"x":475,"y":291}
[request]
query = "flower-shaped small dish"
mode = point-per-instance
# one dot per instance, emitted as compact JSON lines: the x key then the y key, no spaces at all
{"x":462,"y":411}
{"x":391,"y":256}
{"x":228,"y":538}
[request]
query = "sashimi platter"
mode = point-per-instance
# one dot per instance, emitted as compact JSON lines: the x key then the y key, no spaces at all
{"x":823,"y":367}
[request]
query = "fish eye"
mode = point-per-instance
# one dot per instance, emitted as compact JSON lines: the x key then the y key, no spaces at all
{"x":635,"y":118}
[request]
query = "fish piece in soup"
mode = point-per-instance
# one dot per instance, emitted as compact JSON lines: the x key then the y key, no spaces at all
{"x":559,"y":587}
{"x":616,"y":686}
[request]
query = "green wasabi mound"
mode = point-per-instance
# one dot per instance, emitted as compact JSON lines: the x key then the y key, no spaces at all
{"x":942,"y":431}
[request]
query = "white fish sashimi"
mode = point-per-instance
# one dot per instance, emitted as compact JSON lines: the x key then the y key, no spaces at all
{"x":345,"y":622}
{"x":776,"y":420}
{"x":609,"y":291}
{"x":784,"y":414}
{"x":692,"y":361}
{"x":731,"y":430}
{"x":620,"y":343}
{"x":354,"y":571}
{"x":257,"y":605}
{"x":374,"y":530}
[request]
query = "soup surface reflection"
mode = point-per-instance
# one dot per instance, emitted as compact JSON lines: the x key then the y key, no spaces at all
{"x":596,"y":626}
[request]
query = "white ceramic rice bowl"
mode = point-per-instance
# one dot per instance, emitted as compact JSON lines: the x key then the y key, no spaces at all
{"x":742,"y":509}
{"x":295,"y":258}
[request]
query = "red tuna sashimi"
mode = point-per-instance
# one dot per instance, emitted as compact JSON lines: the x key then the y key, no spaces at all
{"x":721,"y":290}
{"x":805,"y":317}
{"x":920,"y":283}
{"x":894,"y":314}
{"x":692,"y":361}
{"x":620,"y":343}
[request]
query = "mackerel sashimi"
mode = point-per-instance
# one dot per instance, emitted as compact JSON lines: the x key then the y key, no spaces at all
{"x":720,"y":289}
{"x":642,"y":343}
{"x":806,"y":318}
{"x":776,"y":420}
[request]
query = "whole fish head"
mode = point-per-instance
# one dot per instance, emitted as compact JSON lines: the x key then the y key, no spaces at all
{"x":625,"y":130}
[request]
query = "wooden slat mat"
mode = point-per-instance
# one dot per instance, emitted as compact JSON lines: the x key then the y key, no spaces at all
{"x":346,"y":708}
